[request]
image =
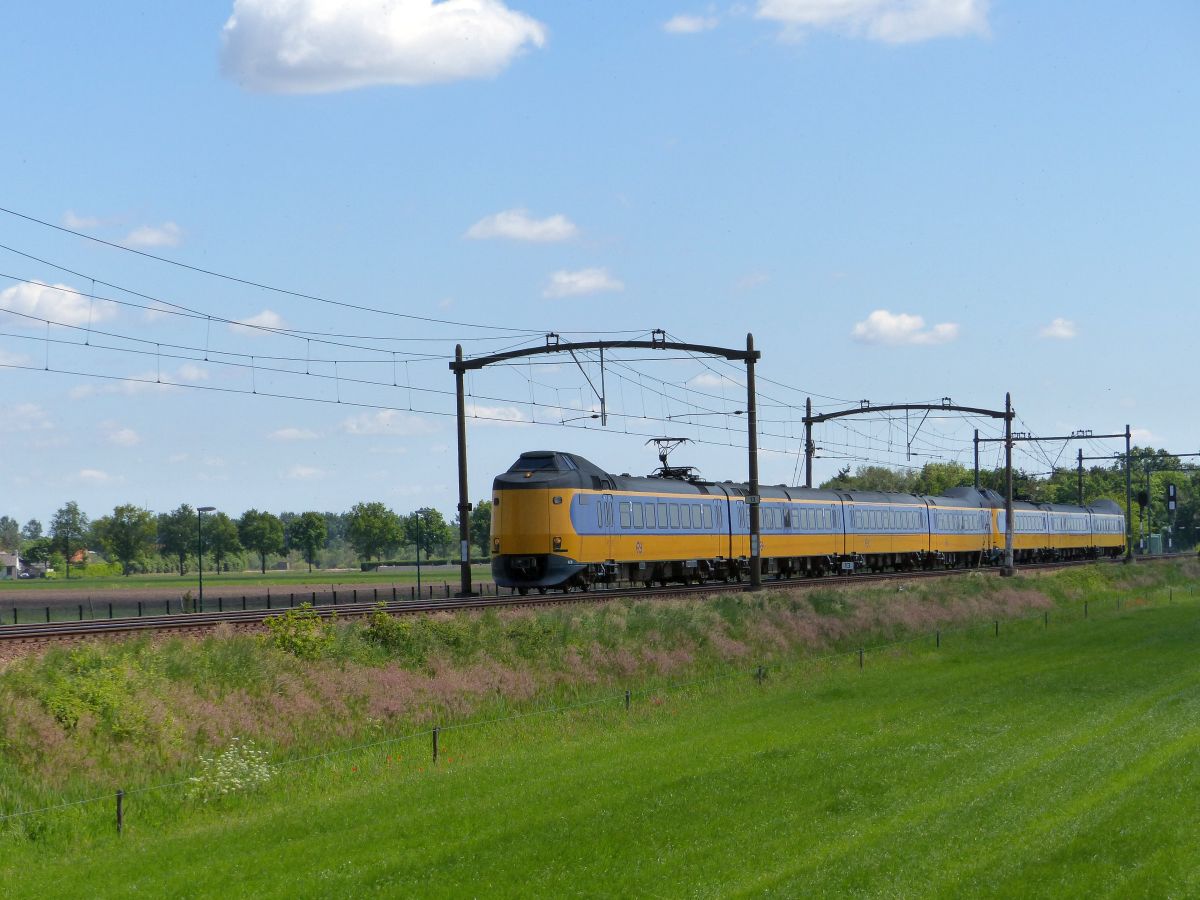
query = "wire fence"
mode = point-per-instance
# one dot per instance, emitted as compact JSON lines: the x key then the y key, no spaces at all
{"x":1088,"y":610}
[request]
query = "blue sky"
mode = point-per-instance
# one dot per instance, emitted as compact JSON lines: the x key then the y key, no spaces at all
{"x":901,"y":199}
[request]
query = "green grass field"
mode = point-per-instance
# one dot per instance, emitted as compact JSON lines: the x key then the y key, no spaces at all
{"x":1043,"y":762}
{"x":214,"y":581}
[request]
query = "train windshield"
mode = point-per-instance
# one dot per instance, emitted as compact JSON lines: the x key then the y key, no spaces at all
{"x":548,"y":462}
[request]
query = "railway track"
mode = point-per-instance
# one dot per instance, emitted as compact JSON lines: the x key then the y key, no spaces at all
{"x":41,"y":632}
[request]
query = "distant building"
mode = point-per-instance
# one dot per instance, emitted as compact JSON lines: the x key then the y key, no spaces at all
{"x":10,"y":565}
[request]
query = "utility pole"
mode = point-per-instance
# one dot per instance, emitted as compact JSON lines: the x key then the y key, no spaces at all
{"x":809,"y":449}
{"x":464,"y":502}
{"x":1128,"y":498}
{"x":976,"y":459}
{"x":1009,"y":569}
{"x":1081,"y":476}
{"x":753,"y":501}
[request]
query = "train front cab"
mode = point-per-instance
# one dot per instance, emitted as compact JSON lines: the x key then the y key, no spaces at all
{"x":533,"y":543}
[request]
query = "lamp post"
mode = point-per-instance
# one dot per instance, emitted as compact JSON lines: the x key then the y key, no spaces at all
{"x":200,"y":511}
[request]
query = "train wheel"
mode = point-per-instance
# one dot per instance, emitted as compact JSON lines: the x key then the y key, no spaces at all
{"x":647,"y":584}
{"x":522,"y":591}
{"x":541,"y":590}
{"x":584,"y":586}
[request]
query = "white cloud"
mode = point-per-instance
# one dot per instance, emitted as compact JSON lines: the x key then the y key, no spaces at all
{"x":519,"y":225}
{"x":253,"y":324}
{"x":140,"y":383}
{"x":883,"y":327}
{"x":1142,"y":435}
{"x":499,"y":416}
{"x":1060,"y":329}
{"x":27,"y":417}
{"x":304,"y":473}
{"x":891,"y":21}
{"x":686,"y":24}
{"x":94,"y":476}
{"x":387,"y":422}
{"x":168,"y":234}
{"x":120,"y":435}
{"x":318,"y":46}
{"x":582,"y":281}
{"x":13,"y":359}
{"x":59,"y":303}
{"x":713,"y":380}
{"x":750,"y":281}
{"x":192,"y":372}
{"x":80,"y":223}
{"x":293,"y":434}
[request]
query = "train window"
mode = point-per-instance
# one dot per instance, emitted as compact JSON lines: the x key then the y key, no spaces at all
{"x":637,"y":515}
{"x":662,"y":515}
{"x":673,"y":515}
{"x":708,"y":517}
{"x":600,"y":514}
{"x":696,"y":522}
{"x":649,"y":507}
{"x":626,"y":514}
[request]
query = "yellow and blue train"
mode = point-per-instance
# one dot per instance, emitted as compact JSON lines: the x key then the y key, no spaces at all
{"x":561,"y":522}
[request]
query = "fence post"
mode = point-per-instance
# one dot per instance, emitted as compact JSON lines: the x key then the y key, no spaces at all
{"x":220,"y":604}
{"x":335,"y":598}
{"x":938,"y":639}
{"x":393,"y":593}
{"x":80,"y":612}
{"x":354,"y":596}
{"x":243,"y":603}
{"x":997,"y":628}
{"x":759,"y":675}
{"x":1046,"y":619}
{"x":48,"y":614}
{"x":375,"y":593}
{"x":139,"y":609}
{"x":1171,"y":596}
{"x":1085,"y":603}
{"x":15,"y":615}
{"x":120,"y":811}
{"x":292,"y":600}
{"x":268,"y":601}
{"x":412,"y":592}
{"x":314,"y":599}
{"x":626,"y":699}
{"x":860,"y":657}
{"x":436,"y":731}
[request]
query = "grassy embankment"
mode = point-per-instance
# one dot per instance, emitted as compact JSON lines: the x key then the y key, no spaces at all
{"x":1038,"y":761}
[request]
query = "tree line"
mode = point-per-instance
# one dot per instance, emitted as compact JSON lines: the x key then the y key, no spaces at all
{"x":141,"y":541}
{"x":1155,"y":468}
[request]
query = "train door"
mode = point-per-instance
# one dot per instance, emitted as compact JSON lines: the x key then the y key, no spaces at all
{"x":605,"y":512}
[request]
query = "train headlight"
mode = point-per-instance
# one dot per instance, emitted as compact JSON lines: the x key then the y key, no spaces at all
{"x":496,"y":545}
{"x":558,"y":543}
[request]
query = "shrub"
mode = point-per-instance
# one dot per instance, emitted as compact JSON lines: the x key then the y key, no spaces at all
{"x":302,"y":632}
{"x":239,"y":767}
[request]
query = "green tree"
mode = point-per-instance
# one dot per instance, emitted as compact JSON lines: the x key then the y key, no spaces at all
{"x":10,"y":534}
{"x":480,"y":526}
{"x":221,"y":537}
{"x":426,"y":529}
{"x":38,"y":551}
{"x":307,"y":533}
{"x":373,"y":530}
{"x":177,"y":534}
{"x":127,"y":535}
{"x":261,"y":532}
{"x":32,"y":530}
{"x":67,"y":530}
